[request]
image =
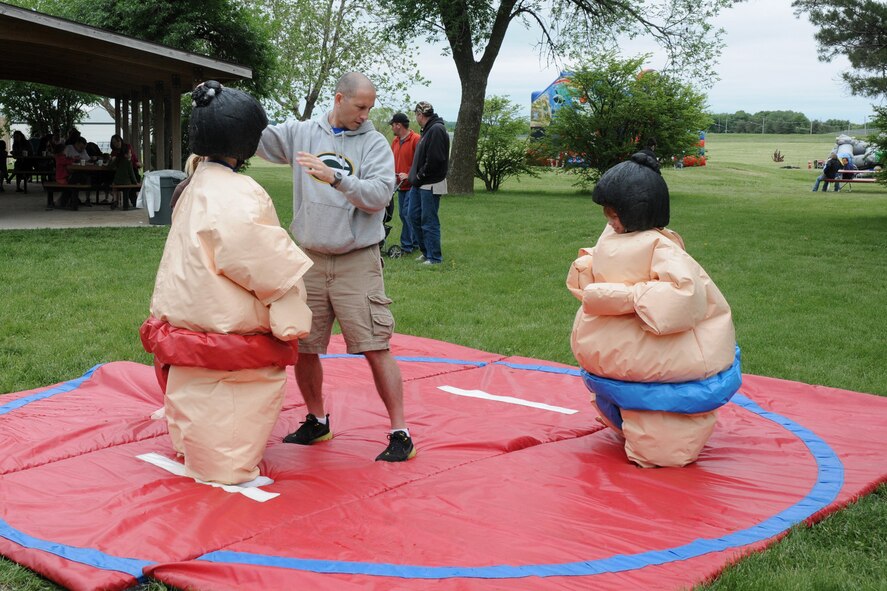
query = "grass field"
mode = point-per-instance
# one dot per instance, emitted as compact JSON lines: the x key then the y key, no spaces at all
{"x":803,"y":272}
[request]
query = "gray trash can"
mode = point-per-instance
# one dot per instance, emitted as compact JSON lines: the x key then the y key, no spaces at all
{"x":163,"y":216}
{"x":156,"y":194}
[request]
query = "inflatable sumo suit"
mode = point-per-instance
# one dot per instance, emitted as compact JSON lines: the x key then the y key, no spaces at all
{"x":654,"y":335}
{"x":229,"y":300}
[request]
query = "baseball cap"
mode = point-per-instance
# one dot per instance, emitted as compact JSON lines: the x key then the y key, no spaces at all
{"x":399,"y":118}
{"x":424,"y":108}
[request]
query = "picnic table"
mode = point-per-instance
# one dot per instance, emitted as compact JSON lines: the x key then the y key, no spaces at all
{"x":859,"y":176}
{"x":98,"y":177}
{"x":29,"y":167}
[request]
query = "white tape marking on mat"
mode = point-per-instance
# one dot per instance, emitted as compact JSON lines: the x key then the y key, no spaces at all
{"x":248,"y":489}
{"x":508,"y":399}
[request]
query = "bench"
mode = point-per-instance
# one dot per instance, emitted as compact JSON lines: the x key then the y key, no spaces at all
{"x":855,"y":179}
{"x":121,"y":193}
{"x":28,"y":175}
{"x":69,"y":194}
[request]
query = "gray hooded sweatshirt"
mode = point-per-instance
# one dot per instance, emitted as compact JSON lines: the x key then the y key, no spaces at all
{"x":348,"y":217}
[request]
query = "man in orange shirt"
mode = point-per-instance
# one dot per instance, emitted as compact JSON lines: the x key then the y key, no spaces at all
{"x":404,"y":147}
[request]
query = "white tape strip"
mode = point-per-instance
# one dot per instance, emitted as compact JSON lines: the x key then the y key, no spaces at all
{"x":248,"y":489}
{"x":508,"y":399}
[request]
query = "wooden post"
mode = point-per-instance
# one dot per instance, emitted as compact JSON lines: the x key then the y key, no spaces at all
{"x":146,"y":129}
{"x":159,"y":128}
{"x":176,"y":123}
{"x":125,"y":126}
{"x":117,"y":115}
{"x":135,"y":139}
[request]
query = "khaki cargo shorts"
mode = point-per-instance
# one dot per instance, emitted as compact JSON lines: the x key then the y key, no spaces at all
{"x":348,"y":288}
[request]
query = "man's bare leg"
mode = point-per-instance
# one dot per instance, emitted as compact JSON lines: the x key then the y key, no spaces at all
{"x":309,"y":377}
{"x":389,"y":384}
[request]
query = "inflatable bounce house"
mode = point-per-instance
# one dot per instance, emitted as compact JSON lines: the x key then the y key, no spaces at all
{"x":697,"y":159}
{"x":545,"y":103}
{"x":864,"y":155}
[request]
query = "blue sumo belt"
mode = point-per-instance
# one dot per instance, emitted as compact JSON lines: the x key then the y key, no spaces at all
{"x":691,"y":397}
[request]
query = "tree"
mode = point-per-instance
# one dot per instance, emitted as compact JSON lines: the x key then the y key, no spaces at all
{"x":222,"y":29}
{"x":614,"y":110}
{"x":43,"y":108}
{"x":879,"y":122}
{"x":857,"y":31}
{"x":502,"y":144}
{"x":475,"y":29}
{"x":768,"y":121}
{"x":319,"y":41}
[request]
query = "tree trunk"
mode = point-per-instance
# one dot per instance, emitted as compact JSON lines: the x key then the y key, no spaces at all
{"x":463,"y":158}
{"x":473,"y":76}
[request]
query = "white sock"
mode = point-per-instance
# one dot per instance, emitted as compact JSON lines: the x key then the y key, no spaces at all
{"x":322,"y":420}
{"x":405,"y":430}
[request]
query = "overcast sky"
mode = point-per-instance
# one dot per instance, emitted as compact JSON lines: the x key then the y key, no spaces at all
{"x":769,"y":63}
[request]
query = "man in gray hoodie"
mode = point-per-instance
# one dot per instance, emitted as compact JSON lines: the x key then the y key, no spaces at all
{"x":343,"y":177}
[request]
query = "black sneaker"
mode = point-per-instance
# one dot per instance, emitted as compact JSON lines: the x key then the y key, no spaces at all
{"x":311,"y":431}
{"x":400,"y":448}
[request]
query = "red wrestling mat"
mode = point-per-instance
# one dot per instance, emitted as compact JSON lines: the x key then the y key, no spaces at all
{"x":501,"y":495}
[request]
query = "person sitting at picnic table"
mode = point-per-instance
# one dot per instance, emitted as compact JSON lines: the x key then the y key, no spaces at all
{"x":95,"y":153}
{"x":21,"y":149}
{"x":125,"y":175}
{"x":829,"y":172}
{"x":118,"y":146}
{"x":124,"y":171}
{"x":4,"y":170}
{"x":846,"y":165}
{"x":77,"y":151}
{"x":72,"y":136}
{"x":62,"y":162}
{"x":63,"y":177}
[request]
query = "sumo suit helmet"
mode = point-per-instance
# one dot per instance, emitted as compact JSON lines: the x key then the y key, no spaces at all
{"x":225,"y":122}
{"x":637,"y":193}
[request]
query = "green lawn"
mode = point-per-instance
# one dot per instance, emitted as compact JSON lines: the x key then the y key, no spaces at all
{"x":803,"y":272}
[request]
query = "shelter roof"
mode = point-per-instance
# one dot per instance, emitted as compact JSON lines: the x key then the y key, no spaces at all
{"x":51,"y":50}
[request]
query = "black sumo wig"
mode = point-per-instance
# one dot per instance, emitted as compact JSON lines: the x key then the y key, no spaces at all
{"x":637,"y":192}
{"x":225,"y":122}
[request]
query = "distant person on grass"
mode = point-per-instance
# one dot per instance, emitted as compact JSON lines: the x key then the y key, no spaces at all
{"x":847,"y":167}
{"x":343,"y":178}
{"x":829,"y":172}
{"x":404,"y":148}
{"x":228,"y":302}
{"x":653,"y":335}
{"x":429,"y":175}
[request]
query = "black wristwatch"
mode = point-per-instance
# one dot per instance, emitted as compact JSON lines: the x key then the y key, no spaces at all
{"x":337,"y":178}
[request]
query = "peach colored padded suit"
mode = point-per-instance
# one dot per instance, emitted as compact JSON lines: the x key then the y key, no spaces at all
{"x":650,"y":313}
{"x":228,"y":267}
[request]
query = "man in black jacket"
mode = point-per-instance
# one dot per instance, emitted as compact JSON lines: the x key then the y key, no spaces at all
{"x":830,"y":171}
{"x":428,"y":176}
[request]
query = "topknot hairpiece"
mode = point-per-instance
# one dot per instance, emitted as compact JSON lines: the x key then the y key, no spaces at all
{"x":204,"y":93}
{"x":646,"y":160}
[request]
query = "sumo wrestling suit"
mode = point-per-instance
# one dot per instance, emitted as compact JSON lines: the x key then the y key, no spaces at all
{"x":228,"y":306}
{"x":655,"y":339}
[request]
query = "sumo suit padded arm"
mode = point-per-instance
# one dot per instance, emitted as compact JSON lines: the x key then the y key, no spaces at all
{"x":677,"y":301}
{"x":673,"y":302}
{"x":599,"y":299}
{"x":580,"y":273}
{"x":290,"y":316}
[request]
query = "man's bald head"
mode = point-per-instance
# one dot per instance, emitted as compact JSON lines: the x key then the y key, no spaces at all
{"x":355,"y":96}
{"x":352,"y":83}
